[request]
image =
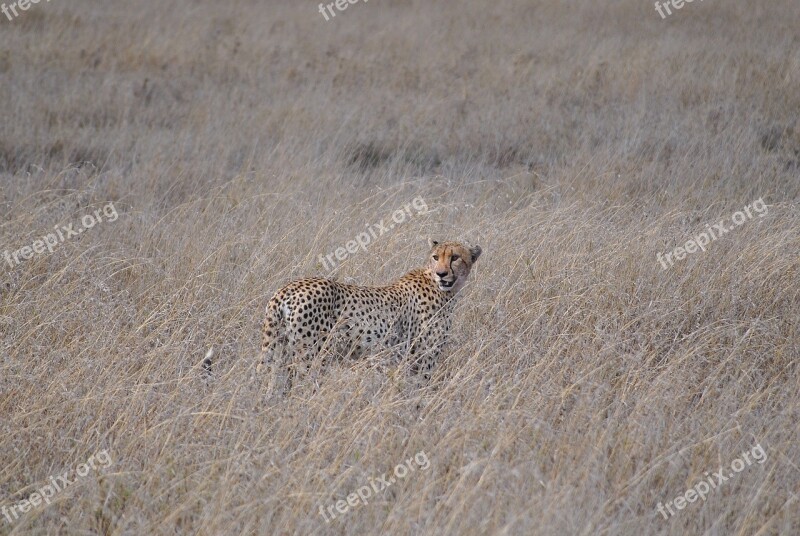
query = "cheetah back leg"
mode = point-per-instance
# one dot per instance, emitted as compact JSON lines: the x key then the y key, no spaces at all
{"x":303,"y":357}
{"x":275,"y":344}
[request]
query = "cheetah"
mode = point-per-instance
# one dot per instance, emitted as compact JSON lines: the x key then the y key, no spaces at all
{"x":410,"y":316}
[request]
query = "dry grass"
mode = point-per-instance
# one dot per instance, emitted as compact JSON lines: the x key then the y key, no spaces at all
{"x":239,"y":140}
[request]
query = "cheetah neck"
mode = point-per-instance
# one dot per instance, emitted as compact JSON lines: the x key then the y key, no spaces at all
{"x":426,"y":275}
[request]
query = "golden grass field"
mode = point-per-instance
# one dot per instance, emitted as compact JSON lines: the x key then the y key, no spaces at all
{"x":238,"y":141}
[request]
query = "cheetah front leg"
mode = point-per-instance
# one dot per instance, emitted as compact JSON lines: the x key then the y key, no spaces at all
{"x":424,"y":361}
{"x":425,"y":351}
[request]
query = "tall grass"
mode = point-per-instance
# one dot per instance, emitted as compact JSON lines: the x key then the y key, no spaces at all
{"x":240,"y":140}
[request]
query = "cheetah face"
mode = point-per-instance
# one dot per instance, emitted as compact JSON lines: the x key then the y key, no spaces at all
{"x":450,"y":264}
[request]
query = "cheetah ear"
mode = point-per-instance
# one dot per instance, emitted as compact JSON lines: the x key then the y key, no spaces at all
{"x":476,"y":252}
{"x":432,"y":243}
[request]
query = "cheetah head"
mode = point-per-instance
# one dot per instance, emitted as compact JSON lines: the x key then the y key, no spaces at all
{"x":450,"y":263}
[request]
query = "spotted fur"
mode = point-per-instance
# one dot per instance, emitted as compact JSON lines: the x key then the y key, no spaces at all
{"x":411,"y":316}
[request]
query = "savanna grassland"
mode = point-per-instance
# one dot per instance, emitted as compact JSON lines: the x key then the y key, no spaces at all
{"x":237,"y":141}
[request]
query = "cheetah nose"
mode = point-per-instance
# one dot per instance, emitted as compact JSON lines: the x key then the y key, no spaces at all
{"x":441,"y":274}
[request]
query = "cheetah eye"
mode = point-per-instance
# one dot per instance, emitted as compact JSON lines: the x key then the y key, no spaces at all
{"x":436,"y":257}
